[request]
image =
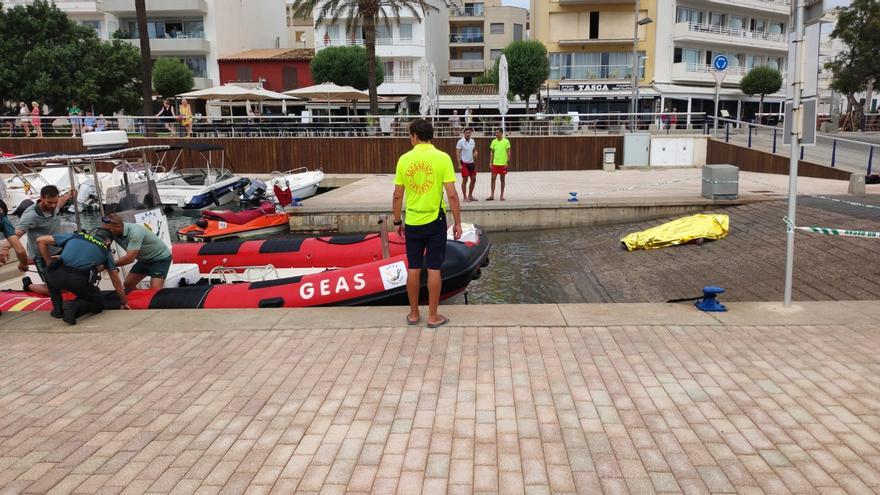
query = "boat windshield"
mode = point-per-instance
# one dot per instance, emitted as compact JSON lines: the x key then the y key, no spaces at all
{"x":195,"y":177}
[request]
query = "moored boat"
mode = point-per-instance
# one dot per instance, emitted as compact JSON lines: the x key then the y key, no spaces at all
{"x":226,"y":224}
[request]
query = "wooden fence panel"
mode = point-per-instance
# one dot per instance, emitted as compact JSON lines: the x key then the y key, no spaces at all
{"x":752,"y":160}
{"x":359,"y":155}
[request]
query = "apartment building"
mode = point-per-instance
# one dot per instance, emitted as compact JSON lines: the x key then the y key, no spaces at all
{"x":692,"y":33}
{"x":300,"y":30}
{"x":590,"y":44}
{"x":402,"y":46}
{"x":197,"y":32}
{"x":478,"y":32}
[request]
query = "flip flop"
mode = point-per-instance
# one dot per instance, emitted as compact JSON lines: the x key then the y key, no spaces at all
{"x":411,"y":322}
{"x":440,"y":323}
{"x":490,"y":199}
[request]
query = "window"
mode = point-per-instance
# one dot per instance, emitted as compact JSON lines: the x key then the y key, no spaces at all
{"x":758,"y":25}
{"x":496,"y":28}
{"x":243,"y":74}
{"x":197,"y":65}
{"x":689,"y":15}
{"x":168,"y":28}
{"x":405,"y":69}
{"x":716,"y":19}
{"x":777,"y":27}
{"x":690,"y":56}
{"x":774,"y":62}
{"x":594,"y":26}
{"x":517,"y":32}
{"x":494,"y":54}
{"x":383,"y":34}
{"x":289,"y":78}
{"x":96,"y":25}
{"x":333,"y":32}
{"x":473,"y":55}
{"x":389,"y":69}
{"x":591,"y":65}
{"x":406,"y":29}
{"x":736,"y":22}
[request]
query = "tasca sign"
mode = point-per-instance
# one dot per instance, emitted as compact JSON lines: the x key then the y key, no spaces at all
{"x":593,"y":87}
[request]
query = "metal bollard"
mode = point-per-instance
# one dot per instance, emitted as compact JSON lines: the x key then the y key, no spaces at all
{"x":833,"y":152}
{"x":750,"y":136}
{"x":727,"y":132}
{"x":870,"y":159}
{"x":802,"y":152}
{"x":774,"y":141}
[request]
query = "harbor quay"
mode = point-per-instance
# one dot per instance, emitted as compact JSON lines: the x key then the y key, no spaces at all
{"x":604,"y":398}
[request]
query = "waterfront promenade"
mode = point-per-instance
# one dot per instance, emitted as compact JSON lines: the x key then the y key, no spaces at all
{"x":622,"y":398}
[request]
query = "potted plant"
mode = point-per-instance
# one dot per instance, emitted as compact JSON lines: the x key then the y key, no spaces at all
{"x":372,"y":126}
{"x":562,"y":124}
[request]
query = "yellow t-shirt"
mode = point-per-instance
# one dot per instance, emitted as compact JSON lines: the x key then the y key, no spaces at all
{"x":422,"y":172}
{"x":499,"y":158}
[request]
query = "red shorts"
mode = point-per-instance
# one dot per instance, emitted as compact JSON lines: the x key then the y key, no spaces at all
{"x":468,"y":169}
{"x":499,"y":169}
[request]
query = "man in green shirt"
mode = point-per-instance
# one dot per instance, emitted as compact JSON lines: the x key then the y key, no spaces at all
{"x":152,"y":255}
{"x":499,"y":158}
{"x":423,"y":174}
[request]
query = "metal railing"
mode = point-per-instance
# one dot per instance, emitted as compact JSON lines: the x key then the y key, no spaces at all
{"x":466,"y":38}
{"x":403,"y":77}
{"x":830,"y":149}
{"x":703,"y":68}
{"x":592,"y":72}
{"x":463,"y":64}
{"x":735,"y":32}
{"x":360,"y":42}
{"x":321,"y":125}
{"x":466,"y":12}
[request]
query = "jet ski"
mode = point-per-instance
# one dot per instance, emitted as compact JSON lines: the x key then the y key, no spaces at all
{"x":225,"y":224}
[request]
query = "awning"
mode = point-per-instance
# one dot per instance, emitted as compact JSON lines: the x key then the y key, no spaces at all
{"x":617,"y":94}
{"x":679,"y":91}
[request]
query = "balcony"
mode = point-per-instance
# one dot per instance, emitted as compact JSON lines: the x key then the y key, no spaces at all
{"x":462,"y":65}
{"x":466,"y":39}
{"x":781,"y":7}
{"x":201,"y":82}
{"x":592,"y":72}
{"x":385,"y":47}
{"x":400,"y":78}
{"x":118,"y":7}
{"x":175,"y":46}
{"x":592,"y":2}
{"x":730,"y":37}
{"x":465,"y":13}
{"x":701,"y":73}
{"x":596,"y":41}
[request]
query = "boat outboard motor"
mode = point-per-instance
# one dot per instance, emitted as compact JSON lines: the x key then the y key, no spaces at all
{"x":255,"y":192}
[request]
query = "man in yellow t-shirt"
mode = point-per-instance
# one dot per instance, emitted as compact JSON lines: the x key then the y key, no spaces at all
{"x":499,"y":159}
{"x":423,"y":174}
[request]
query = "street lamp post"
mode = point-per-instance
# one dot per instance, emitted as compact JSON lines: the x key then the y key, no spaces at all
{"x":634,"y":105}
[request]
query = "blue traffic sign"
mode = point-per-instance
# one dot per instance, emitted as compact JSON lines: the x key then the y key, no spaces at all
{"x":719,"y":62}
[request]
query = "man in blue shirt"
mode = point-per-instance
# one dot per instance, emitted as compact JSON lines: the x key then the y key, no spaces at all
{"x":82,"y":255}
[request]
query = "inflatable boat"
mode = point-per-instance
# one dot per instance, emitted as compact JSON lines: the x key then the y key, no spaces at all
{"x":355,"y":282}
{"x":226,"y":224}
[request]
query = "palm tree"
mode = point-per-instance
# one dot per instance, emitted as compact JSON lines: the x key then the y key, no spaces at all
{"x":146,"y":59}
{"x":364,"y":14}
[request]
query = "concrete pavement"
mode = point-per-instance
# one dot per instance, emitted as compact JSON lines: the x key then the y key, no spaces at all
{"x":623,"y":398}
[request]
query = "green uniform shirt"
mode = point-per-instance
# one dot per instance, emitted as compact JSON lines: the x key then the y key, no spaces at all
{"x":137,"y":237}
{"x":422,"y":172}
{"x":499,"y":148}
{"x":35,"y":223}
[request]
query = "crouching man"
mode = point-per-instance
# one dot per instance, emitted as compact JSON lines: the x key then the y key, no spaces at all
{"x":83,"y":256}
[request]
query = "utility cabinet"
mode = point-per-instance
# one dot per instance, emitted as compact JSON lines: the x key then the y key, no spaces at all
{"x":636,"y":149}
{"x":672,"y":152}
{"x":720,"y":181}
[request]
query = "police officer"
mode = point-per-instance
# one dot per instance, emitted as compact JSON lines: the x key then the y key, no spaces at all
{"x":82,"y":257}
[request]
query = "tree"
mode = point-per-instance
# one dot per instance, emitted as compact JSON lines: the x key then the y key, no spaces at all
{"x":762,"y":81}
{"x":488,"y":77}
{"x":362,"y":15}
{"x":171,"y":77}
{"x":345,"y":66}
{"x":49,"y":58}
{"x":146,"y":57}
{"x":527,"y":68}
{"x":856,"y":68}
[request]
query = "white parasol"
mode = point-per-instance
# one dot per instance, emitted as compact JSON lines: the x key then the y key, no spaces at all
{"x":503,"y":88}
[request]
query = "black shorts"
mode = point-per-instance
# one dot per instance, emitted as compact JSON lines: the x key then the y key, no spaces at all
{"x":426,"y":244}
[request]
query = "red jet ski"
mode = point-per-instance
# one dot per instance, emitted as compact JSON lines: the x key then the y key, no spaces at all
{"x":226,"y":224}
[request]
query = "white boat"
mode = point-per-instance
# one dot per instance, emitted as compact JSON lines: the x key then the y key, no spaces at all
{"x":25,"y":185}
{"x":301,"y":182}
{"x":197,"y":188}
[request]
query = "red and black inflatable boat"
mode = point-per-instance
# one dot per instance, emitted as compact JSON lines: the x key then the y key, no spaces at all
{"x":358,"y":280}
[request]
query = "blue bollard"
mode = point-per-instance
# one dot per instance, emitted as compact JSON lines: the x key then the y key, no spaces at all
{"x":727,"y":132}
{"x":572,"y":197}
{"x":750,"y":136}
{"x":774,"y":141}
{"x":870,"y":159}
{"x":833,"y":152}
{"x":709,"y":301}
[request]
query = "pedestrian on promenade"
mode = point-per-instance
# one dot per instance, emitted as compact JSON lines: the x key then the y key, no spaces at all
{"x":152,"y":256}
{"x":186,"y":117}
{"x":82,"y":258}
{"x":673,"y":119}
{"x":499,"y":158}
{"x":89,"y":123}
{"x":466,"y":155}
{"x":455,"y":123}
{"x":24,"y":118}
{"x":75,"y":114}
{"x":468,"y":117}
{"x":168,"y":116}
{"x":7,"y":231}
{"x":40,"y":219}
{"x":35,"y":119}
{"x":423,"y":175}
